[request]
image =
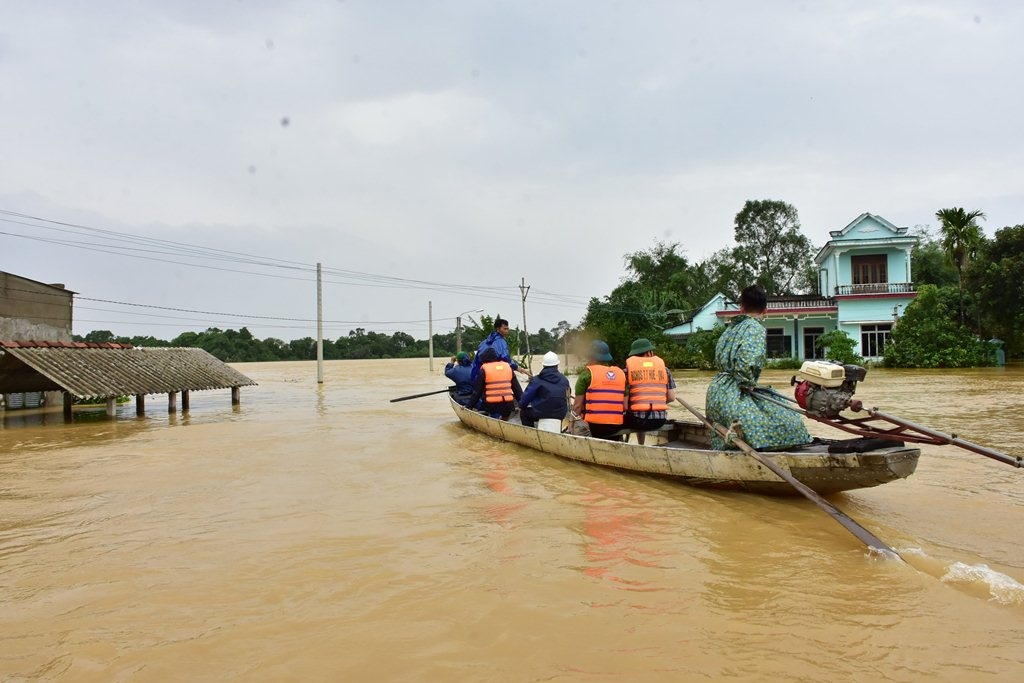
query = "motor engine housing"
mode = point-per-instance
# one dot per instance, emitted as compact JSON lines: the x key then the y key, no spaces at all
{"x":826,"y":388}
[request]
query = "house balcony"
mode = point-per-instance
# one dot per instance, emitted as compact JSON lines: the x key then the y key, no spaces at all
{"x":876,"y":288}
{"x":791,"y":303}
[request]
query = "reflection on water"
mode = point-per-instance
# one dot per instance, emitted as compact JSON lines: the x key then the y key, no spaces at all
{"x":322,"y":533}
{"x":616,"y":525}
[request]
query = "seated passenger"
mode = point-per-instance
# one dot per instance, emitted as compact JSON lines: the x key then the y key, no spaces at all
{"x":496,"y":388}
{"x":650,"y":388}
{"x":601,"y":394}
{"x":458,"y":370}
{"x":739,"y":357}
{"x":546,"y":397}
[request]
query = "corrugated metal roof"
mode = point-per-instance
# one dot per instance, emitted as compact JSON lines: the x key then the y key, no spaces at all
{"x":108,"y":370}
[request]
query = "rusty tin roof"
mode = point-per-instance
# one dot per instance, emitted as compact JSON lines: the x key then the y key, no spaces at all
{"x":109,"y":370}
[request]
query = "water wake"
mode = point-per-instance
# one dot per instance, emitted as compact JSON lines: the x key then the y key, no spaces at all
{"x":1001,"y":588}
{"x":978,"y":579}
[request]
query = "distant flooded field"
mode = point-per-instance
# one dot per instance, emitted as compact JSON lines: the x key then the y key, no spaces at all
{"x":323,"y":533}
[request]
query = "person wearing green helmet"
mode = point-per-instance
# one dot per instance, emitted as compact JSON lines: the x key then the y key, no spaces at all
{"x":601,"y":394}
{"x":649,"y":389}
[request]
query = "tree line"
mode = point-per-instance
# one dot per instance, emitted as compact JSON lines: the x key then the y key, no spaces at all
{"x":969,"y":290}
{"x":240,"y":346}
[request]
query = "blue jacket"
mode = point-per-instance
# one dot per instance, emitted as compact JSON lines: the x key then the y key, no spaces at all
{"x":546,"y":394}
{"x":462,"y":376}
{"x":500,"y":346}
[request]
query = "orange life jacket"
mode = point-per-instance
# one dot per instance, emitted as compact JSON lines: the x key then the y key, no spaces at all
{"x":497,"y":382}
{"x":605,"y":399}
{"x":648,"y":383}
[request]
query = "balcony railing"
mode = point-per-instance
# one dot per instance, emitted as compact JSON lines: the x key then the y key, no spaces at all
{"x":877,"y":288}
{"x":801,"y":302}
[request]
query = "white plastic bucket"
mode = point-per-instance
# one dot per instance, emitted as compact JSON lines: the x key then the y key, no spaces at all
{"x":549,"y":425}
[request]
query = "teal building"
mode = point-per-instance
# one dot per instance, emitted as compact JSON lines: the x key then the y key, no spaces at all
{"x":864,"y":284}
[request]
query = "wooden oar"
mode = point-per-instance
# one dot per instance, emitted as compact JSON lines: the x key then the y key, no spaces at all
{"x":429,"y":393}
{"x":862,"y":534}
{"x":923,"y":434}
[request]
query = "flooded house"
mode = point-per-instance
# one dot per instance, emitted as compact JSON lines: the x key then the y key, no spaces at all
{"x":40,"y":365}
{"x":864,"y":284}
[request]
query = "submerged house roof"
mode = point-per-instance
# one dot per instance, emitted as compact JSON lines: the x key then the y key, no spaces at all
{"x":110,"y":370}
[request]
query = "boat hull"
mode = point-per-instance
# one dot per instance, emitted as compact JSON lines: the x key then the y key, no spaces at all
{"x":822,"y":471}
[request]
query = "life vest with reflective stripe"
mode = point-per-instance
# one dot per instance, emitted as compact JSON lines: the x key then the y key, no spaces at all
{"x":497,"y":382}
{"x":605,"y":399}
{"x":648,"y":383}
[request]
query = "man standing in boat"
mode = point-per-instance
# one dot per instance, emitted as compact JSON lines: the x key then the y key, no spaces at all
{"x":601,"y":394}
{"x":496,"y":385}
{"x":495,"y":340}
{"x":650,"y":388}
{"x":546,"y":396}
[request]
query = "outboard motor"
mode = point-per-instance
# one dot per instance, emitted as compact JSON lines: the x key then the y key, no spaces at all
{"x":825,"y":387}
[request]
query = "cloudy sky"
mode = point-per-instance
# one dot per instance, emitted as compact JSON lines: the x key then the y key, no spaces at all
{"x":203,"y":156}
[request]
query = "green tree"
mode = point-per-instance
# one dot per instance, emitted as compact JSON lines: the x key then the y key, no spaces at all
{"x":770,"y":249}
{"x":659,"y":284}
{"x":839,"y":347}
{"x":928,"y":335}
{"x":996,"y":281}
{"x":961,"y":238}
{"x":929,"y":264}
{"x":99,"y":337}
{"x":700,"y":348}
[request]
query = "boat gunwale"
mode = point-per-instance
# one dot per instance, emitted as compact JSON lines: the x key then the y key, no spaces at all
{"x":705,"y":467}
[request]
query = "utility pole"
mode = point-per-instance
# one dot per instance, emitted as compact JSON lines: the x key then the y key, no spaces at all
{"x":319,"y":327}
{"x":525,"y":289}
{"x":430,"y":334}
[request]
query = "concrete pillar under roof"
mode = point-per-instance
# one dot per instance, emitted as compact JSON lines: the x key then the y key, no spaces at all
{"x":184,"y":401}
{"x":69,"y":400}
{"x":172,"y":401}
{"x":111,"y":406}
{"x":140,"y":404}
{"x":236,"y":395}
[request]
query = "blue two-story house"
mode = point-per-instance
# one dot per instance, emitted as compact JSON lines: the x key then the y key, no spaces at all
{"x":864,"y":281}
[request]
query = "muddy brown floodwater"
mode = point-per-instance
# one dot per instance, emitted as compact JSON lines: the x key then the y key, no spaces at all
{"x":326,"y":534}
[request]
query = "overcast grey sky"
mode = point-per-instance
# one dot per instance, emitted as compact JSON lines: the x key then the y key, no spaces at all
{"x":470,"y":144}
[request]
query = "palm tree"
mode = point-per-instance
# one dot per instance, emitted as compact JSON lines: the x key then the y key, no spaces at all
{"x":961,"y":237}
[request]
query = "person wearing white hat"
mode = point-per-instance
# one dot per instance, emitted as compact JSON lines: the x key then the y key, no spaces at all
{"x":547,"y":395}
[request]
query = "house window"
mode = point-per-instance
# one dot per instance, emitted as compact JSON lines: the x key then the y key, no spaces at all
{"x":778,"y":344}
{"x":869,"y":270}
{"x":811,"y":348}
{"x":873,"y":339}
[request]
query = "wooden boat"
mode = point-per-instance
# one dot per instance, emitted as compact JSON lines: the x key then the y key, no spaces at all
{"x":683,"y":452}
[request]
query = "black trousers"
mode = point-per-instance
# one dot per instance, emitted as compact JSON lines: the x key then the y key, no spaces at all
{"x":599,"y":431}
{"x":642,"y":422}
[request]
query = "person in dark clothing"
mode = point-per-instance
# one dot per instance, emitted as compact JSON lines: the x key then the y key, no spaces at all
{"x":546,"y":395}
{"x":495,"y":340}
{"x":496,"y":388}
{"x":459,"y":371}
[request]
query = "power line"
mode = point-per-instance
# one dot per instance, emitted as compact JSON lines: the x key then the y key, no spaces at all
{"x":246,"y":316}
{"x":194,"y":251}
